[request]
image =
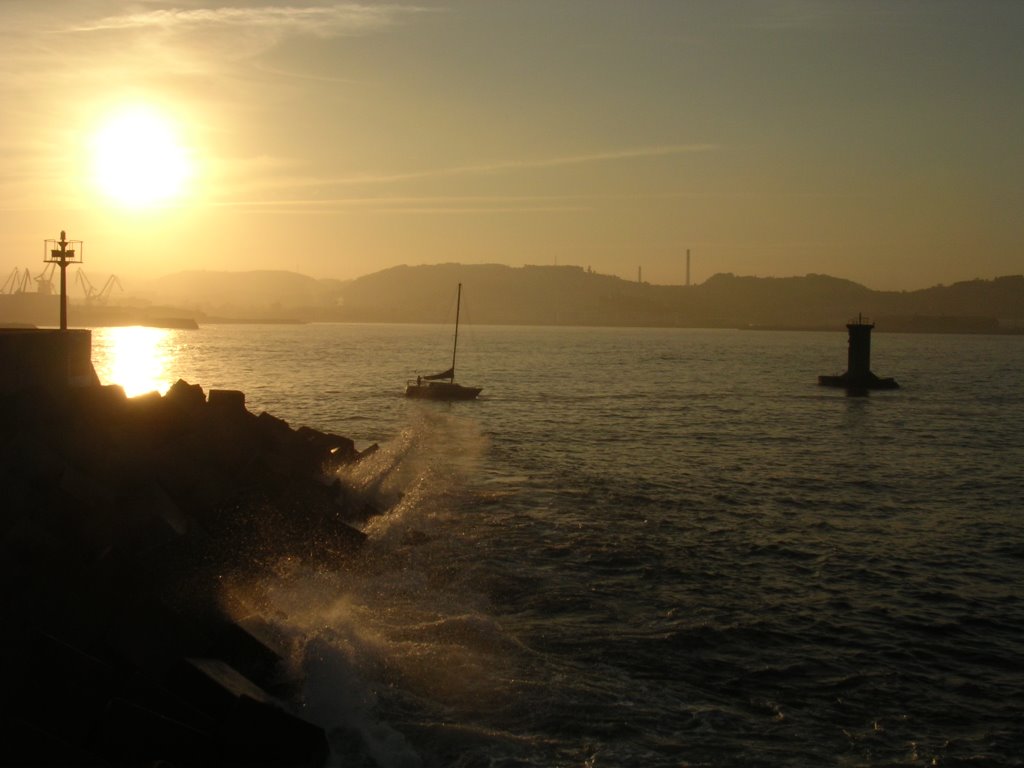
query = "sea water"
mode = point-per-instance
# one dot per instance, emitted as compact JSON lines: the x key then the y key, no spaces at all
{"x":647,"y":547}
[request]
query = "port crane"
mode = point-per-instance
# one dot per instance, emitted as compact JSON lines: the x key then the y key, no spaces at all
{"x":108,"y":288}
{"x":17,"y":282}
{"x":92,"y":296}
{"x":86,"y":283}
{"x":44,"y":280}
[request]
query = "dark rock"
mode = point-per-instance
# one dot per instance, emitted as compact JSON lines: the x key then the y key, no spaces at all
{"x":63,"y":688}
{"x":29,"y":744}
{"x":186,"y":397}
{"x":95,"y":405}
{"x":150,"y":694}
{"x":254,"y":729}
{"x":17,"y":500}
{"x":97,"y":594}
{"x":273,"y":429}
{"x":226,"y":401}
{"x":32,"y":408}
{"x":319,"y":448}
{"x":41,"y":556}
{"x":129,"y":733}
{"x":214,"y":686}
{"x":120,"y":517}
{"x":251,"y":647}
{"x":259,"y":733}
{"x":32,"y":458}
{"x":366,"y":452}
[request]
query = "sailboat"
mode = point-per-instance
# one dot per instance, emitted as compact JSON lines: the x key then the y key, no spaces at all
{"x":435,"y":387}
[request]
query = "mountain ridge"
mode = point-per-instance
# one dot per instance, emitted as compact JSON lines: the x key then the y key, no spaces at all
{"x":571,"y":295}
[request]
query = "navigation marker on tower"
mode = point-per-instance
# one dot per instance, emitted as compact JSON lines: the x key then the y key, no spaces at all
{"x":858,"y":378}
{"x":58,"y":252}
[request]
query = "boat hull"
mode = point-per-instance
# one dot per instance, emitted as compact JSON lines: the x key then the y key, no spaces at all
{"x":441,"y":390}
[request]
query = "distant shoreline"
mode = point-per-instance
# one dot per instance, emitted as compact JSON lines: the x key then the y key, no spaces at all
{"x":545,"y":296}
{"x":882,"y":329}
{"x":192,"y":324}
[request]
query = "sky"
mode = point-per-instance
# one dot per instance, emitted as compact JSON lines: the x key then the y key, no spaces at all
{"x":878,"y":141}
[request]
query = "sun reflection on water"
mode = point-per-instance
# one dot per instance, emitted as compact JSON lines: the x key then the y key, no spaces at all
{"x":135,"y":357}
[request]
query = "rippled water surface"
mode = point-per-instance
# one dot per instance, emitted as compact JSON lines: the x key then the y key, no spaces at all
{"x":651,"y":547}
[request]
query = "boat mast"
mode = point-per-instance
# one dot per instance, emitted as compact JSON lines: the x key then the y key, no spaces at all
{"x":455,"y":347}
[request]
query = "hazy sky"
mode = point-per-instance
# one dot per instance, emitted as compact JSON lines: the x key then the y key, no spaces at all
{"x":877,"y":141}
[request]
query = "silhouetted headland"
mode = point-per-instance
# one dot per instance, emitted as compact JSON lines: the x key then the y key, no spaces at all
{"x":548,"y":295}
{"x":570,"y":295}
{"x":122,"y":519}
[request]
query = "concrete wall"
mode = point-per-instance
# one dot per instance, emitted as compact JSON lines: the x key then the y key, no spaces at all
{"x":45,"y":358}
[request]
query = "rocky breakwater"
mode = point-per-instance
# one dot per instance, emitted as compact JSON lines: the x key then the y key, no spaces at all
{"x":120,"y":519}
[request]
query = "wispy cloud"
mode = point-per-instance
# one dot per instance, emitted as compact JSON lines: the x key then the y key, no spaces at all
{"x":417,"y":205}
{"x":321,"y":21}
{"x":39,"y":48}
{"x":630,"y":153}
{"x":253,"y":197}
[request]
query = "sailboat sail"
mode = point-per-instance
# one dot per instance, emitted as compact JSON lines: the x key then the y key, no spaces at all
{"x":449,"y":374}
{"x":432,"y":387}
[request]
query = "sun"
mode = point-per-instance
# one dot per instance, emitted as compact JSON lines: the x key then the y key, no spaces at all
{"x":139,"y":160}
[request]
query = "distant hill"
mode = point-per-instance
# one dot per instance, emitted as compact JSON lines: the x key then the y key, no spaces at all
{"x":568,"y":295}
{"x":550,"y":295}
{"x":262,"y":293}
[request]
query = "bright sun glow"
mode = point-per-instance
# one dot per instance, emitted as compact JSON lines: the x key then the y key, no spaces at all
{"x":136,"y":358}
{"x":138,"y":159}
